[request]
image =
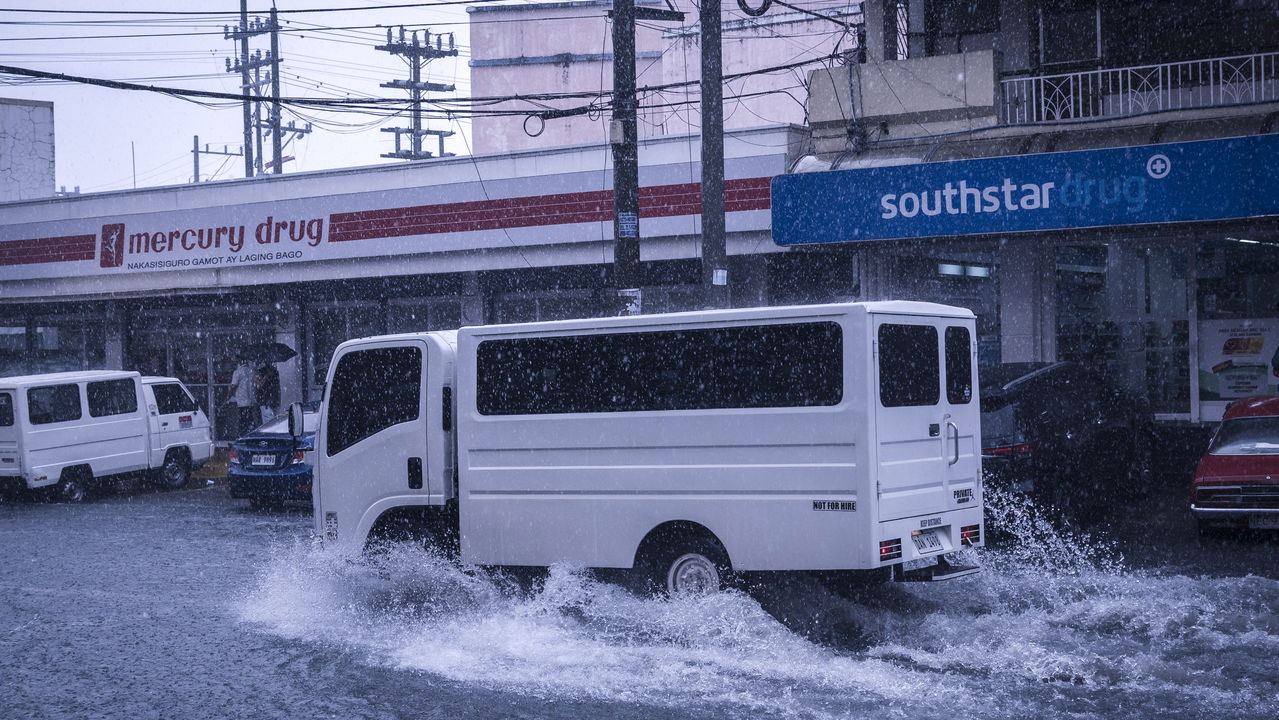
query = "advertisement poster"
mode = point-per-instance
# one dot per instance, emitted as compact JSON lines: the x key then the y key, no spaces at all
{"x":1238,"y":358}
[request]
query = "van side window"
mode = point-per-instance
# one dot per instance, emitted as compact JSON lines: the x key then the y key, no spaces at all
{"x":6,"y":410}
{"x":909,"y":368}
{"x":112,"y":397}
{"x":53,"y":404}
{"x":372,"y":390}
{"x":758,"y":366}
{"x":172,"y":398}
{"x":959,"y":366}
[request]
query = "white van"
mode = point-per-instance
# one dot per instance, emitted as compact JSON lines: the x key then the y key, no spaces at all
{"x":63,"y":431}
{"x":829,"y":437}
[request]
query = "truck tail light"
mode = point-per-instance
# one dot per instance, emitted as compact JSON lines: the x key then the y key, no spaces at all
{"x":1019,"y":451}
{"x":890,"y":550}
{"x":970,"y":534}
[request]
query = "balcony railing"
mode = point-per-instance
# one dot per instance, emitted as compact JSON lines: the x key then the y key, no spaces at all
{"x":1122,"y":92}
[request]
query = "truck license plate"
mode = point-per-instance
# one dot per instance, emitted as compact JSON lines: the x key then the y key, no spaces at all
{"x":263,"y":459}
{"x":926,"y":541}
{"x":1264,"y":522}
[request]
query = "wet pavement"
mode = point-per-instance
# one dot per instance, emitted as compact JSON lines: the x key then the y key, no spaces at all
{"x":188,"y":604}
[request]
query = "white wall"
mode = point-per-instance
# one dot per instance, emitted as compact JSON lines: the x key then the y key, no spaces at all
{"x":26,"y":150}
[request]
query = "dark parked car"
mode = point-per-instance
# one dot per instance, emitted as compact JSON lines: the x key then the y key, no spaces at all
{"x":1236,"y":485}
{"x":270,"y":468}
{"x":1065,"y":435}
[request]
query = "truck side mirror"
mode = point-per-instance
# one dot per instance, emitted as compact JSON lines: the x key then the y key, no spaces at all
{"x":295,"y":420}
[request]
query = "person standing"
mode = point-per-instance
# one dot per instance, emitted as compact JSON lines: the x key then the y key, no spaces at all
{"x":267,"y":390}
{"x":242,"y":391}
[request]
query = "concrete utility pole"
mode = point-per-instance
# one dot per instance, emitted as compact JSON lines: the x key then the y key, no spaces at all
{"x":250,"y":66}
{"x":714,"y":250}
{"x":417,"y":55}
{"x":624,"y":138}
{"x":196,"y":152}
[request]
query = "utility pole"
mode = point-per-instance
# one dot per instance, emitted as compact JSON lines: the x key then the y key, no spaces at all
{"x":250,"y":67}
{"x":714,"y":249}
{"x":242,"y":34}
{"x":417,"y":54}
{"x":196,"y":152}
{"x":624,"y":138}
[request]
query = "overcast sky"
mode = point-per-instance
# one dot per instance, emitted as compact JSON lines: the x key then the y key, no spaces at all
{"x":101,"y":133}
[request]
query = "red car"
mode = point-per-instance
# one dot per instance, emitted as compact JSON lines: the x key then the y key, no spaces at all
{"x":1237,"y":483}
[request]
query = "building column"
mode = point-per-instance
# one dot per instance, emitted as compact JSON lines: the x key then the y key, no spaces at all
{"x":287,"y":325}
{"x":113,"y":350}
{"x":1027,"y":303}
{"x":472,"y":298}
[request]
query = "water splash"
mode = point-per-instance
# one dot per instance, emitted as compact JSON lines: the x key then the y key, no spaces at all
{"x":1054,"y":626}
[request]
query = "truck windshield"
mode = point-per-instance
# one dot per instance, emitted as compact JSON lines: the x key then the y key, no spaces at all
{"x":1247,"y":436}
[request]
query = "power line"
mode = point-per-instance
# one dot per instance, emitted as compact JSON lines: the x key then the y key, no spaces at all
{"x":205,"y":13}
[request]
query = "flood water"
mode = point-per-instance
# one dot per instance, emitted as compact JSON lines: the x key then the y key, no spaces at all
{"x":189,"y":605}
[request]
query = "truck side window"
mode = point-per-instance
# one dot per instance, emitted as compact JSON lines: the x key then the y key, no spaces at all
{"x":371,"y":391}
{"x":112,"y":397}
{"x":959,"y":366}
{"x":909,"y":368}
{"x":760,"y":366}
{"x":53,"y":404}
{"x":172,"y":398}
{"x":6,"y":410}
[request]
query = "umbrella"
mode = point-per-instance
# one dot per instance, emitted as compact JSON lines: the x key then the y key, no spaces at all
{"x":269,"y":352}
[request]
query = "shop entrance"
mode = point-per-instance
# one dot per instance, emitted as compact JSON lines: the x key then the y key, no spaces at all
{"x":205,"y":361}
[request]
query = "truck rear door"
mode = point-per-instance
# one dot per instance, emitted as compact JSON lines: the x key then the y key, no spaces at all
{"x":10,"y":462}
{"x":926,"y":424}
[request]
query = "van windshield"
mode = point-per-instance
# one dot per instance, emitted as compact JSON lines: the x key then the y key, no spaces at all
{"x":1247,"y":436}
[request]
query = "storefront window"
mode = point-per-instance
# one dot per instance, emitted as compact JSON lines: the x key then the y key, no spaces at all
{"x":966,"y":277}
{"x":423,"y":315}
{"x":1121,"y":308}
{"x":330,"y":326}
{"x":1238,"y":317}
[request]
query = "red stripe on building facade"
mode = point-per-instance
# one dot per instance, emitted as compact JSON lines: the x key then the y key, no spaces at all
{"x":44,"y":250}
{"x":539,"y":210}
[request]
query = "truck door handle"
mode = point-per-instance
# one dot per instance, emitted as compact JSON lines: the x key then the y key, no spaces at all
{"x":415,"y":473}
{"x":949,"y":427}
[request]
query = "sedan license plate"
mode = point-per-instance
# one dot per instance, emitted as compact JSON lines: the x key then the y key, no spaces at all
{"x":263,"y":459}
{"x":926,"y":541}
{"x":1264,"y":522}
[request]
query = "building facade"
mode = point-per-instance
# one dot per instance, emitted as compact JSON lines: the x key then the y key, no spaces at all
{"x":567,"y":47}
{"x":1167,"y":277}
{"x":26,"y":149}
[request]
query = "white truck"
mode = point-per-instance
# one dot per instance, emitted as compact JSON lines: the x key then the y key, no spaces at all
{"x":691,"y":446}
{"x":61,"y":432}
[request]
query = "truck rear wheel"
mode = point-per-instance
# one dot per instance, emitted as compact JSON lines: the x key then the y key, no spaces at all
{"x":696,"y":568}
{"x":73,"y":487}
{"x":175,"y":472}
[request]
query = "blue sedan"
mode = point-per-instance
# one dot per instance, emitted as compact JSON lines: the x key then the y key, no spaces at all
{"x":271,"y":469}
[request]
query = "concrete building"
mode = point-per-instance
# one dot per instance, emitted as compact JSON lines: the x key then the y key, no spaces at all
{"x":1168,"y":276}
{"x":26,"y":149}
{"x":566,"y":47}
{"x":1071,"y":89}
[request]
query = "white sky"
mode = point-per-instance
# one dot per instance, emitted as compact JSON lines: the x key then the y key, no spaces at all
{"x":95,"y":127}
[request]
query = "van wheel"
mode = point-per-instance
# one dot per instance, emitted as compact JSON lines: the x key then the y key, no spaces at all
{"x":696,"y":568}
{"x":175,"y":472}
{"x":72,"y":488}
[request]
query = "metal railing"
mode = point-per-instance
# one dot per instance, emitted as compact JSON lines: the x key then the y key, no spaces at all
{"x":1122,"y":92}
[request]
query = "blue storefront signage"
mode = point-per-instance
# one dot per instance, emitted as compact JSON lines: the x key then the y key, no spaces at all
{"x":1173,"y":182}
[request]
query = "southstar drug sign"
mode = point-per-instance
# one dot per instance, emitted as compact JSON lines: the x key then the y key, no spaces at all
{"x":1174,"y":182}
